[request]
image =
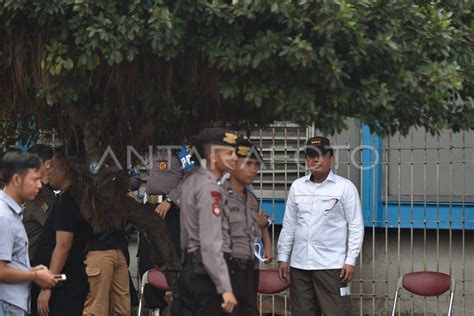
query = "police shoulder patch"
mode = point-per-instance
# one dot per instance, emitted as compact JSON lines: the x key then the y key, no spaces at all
{"x":163,"y":165}
{"x":216,"y":205}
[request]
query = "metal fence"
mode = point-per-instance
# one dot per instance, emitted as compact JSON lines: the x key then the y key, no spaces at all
{"x":417,"y":194}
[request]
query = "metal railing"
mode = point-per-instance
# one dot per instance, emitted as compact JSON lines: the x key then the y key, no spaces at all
{"x":417,"y":203}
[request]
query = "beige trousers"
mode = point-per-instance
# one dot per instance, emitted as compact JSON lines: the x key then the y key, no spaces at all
{"x":108,"y":280}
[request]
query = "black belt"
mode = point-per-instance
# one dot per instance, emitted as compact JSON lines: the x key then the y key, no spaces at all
{"x":240,"y":264}
{"x":193,"y":261}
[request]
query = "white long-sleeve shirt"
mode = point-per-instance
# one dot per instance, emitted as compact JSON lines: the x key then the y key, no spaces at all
{"x":323,"y":226}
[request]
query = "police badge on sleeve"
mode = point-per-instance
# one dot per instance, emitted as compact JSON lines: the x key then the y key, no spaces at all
{"x":216,"y":205}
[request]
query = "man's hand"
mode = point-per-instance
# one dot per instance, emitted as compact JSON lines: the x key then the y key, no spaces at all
{"x":229,"y":302}
{"x":39,"y":267}
{"x":283,"y":271}
{"x":347,"y":273}
{"x":163,"y":209}
{"x":267,"y":254}
{"x":43,"y":302}
{"x":45,"y":279}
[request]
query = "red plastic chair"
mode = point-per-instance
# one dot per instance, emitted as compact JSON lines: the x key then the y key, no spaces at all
{"x":426,"y":283}
{"x":270,"y":283}
{"x":157,"y":279}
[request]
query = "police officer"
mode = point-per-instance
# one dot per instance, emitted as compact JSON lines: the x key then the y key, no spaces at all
{"x":166,"y":175}
{"x":203,"y":286}
{"x":246,"y":225}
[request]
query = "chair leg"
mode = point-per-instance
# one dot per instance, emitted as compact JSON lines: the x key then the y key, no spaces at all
{"x":395,"y":303}
{"x":451,"y":303}
{"x":142,"y":290}
{"x":140,"y":307}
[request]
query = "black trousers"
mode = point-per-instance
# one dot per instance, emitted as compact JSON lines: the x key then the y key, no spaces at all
{"x":245,"y":288}
{"x":154,"y":298}
{"x":195,"y":295}
{"x":69,"y":299}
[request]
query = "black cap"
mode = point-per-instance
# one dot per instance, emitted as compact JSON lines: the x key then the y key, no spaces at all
{"x":245,"y":149}
{"x":318,"y":145}
{"x":216,"y":136}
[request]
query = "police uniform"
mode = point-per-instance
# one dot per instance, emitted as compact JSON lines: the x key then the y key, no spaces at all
{"x":244,"y":229}
{"x":204,"y":238}
{"x":164,"y":184}
{"x":243,"y":266}
{"x":35,"y":215}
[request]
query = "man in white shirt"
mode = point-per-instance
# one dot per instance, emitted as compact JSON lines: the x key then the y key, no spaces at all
{"x":323,"y":230}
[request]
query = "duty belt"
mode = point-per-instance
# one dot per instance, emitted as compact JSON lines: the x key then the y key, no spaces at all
{"x":156,"y":198}
{"x":240,"y":264}
{"x":193,"y":261}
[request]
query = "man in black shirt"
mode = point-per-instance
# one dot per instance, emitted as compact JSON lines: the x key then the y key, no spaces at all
{"x":63,"y":245}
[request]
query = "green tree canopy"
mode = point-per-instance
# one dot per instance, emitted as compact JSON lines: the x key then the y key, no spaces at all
{"x":159,"y":69}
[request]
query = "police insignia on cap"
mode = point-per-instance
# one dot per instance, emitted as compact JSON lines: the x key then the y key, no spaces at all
{"x":243,"y":150}
{"x":230,"y":138}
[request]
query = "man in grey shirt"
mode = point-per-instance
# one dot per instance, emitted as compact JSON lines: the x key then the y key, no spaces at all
{"x":22,"y":183}
{"x":203,"y":286}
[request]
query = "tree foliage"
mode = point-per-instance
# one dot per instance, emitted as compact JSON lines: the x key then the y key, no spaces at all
{"x":161,"y":69}
{"x":119,"y":72}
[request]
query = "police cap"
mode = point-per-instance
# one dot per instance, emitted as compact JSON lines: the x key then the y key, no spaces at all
{"x":318,"y":145}
{"x":216,"y":136}
{"x":245,"y":149}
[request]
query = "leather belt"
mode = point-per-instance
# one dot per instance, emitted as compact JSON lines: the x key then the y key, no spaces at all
{"x":240,"y":264}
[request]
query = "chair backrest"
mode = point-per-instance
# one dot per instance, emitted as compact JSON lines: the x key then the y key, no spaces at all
{"x":157,"y":279}
{"x":270,"y":283}
{"x":427,"y":283}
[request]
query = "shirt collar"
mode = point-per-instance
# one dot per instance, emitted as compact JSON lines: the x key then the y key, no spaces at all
{"x":331,"y":177}
{"x":206,"y":172}
{"x":11,"y":203}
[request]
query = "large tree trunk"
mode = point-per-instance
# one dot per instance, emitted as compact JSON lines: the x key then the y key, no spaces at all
{"x":109,"y":197}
